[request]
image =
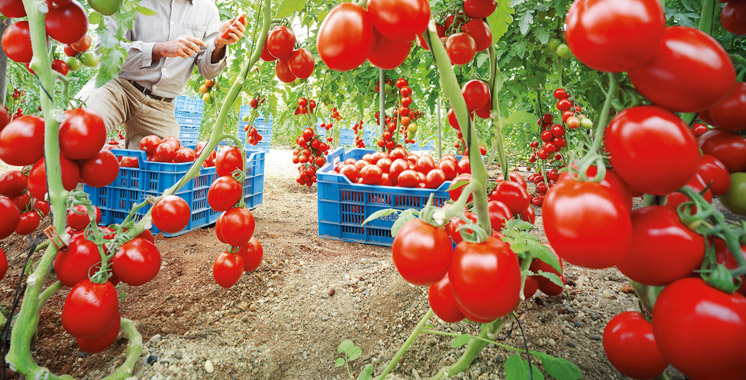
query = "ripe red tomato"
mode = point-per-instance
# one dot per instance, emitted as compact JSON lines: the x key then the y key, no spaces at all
{"x":171,"y":214}
{"x":662,"y":249}
{"x":149,"y":144}
{"x":11,"y":217}
{"x":713,"y":170}
{"x":235,"y":227}
{"x":82,"y":134}
{"x":100,"y":170}
{"x":82,"y":44}
{"x":95,"y":345}
{"x":22,"y":141}
{"x":421,"y":252}
{"x":545,"y":285}
{"x":399,"y":20}
{"x":732,"y":16}
{"x":479,"y":8}
{"x":350,"y":171}
{"x":13,"y":9}
{"x":673,"y":200}
{"x":512,"y":194}
{"x":728,"y":147}
{"x":17,"y":42}
{"x":227,"y":269}
{"x":371,"y":174}
{"x":730,"y":113}
{"x":184,"y":154}
{"x":42,"y":207}
{"x":280,"y":42}
{"x":384,"y":164}
{"x":137,"y":262}
{"x":683,"y":82}
{"x":408,"y":178}
{"x":476,"y":93}
{"x":456,"y":193}
{"x":72,"y":265}
{"x":442,"y":301}
{"x":587,"y":224}
{"x":21,"y":201}
{"x":434,"y":178}
{"x":612,"y":35}
{"x":480,"y":32}
{"x":301,"y":63}
{"x":67,"y":23}
{"x":449,"y":168}
{"x":345,"y":37}
{"x":499,"y":214}
{"x":461,"y":48}
{"x":425,"y":164}
{"x":266,"y":55}
{"x":37,"y":179}
{"x":485,"y":278}
{"x":611,"y":181}
{"x":28,"y":223}
{"x":388,"y":54}
{"x":713,"y":351}
{"x":640,"y":135}
{"x":12,"y":183}
{"x":164,"y":153}
{"x":224,"y":193}
{"x":228,"y":161}
{"x":628,"y":337}
{"x":78,"y":218}
{"x":282,"y":70}
{"x":464,"y":166}
{"x":529,"y":215}
{"x":252,"y":254}
{"x":60,"y":66}
{"x":699,"y":129}
{"x":90,"y":309}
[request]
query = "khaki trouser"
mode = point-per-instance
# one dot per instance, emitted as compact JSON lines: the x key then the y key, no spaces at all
{"x":119,"y":102}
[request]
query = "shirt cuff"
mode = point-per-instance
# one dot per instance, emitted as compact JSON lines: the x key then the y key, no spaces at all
{"x":146,"y":54}
{"x":211,"y":47}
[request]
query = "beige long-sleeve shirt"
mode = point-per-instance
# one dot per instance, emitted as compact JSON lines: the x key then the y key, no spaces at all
{"x":173,"y":18}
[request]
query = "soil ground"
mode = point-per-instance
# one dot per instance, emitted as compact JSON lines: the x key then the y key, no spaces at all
{"x":285,"y":320}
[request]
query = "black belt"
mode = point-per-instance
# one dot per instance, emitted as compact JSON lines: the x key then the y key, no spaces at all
{"x":149,"y":93}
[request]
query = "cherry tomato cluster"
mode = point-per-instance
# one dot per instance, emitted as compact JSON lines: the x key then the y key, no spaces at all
{"x":572,"y":115}
{"x":23,"y":212}
{"x":335,"y":114}
{"x":465,"y":33}
{"x":167,"y":150}
{"x":78,"y":55}
{"x":403,"y":117}
{"x":356,"y":128}
{"x":205,"y":88}
{"x":397,"y":168}
{"x":291,"y":63}
{"x":254,"y":136}
{"x":310,"y":155}
{"x":305,"y":106}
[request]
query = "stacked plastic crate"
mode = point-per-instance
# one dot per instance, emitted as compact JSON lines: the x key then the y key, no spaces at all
{"x":189,"y":116}
{"x":347,"y":136}
{"x":263,"y":125}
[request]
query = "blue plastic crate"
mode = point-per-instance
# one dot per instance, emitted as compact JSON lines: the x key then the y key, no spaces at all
{"x":189,"y":104}
{"x":343,"y":205}
{"x":134,"y":185}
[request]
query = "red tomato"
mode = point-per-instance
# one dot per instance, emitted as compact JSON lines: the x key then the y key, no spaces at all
{"x":529,"y":215}
{"x":11,"y":217}
{"x":22,"y":141}
{"x":421,"y":252}
{"x":345,"y":37}
{"x":81,"y":45}
{"x":454,"y":226}
{"x":399,"y":20}
{"x":72,"y":265}
{"x":17,"y":42}
{"x":673,"y":200}
{"x":149,"y":144}
{"x":476,"y":93}
{"x":137,"y":262}
{"x":725,"y":257}
{"x":408,"y":178}
{"x":628,"y":338}
{"x":730,"y":113}
{"x":280,"y":42}
{"x":499,"y":214}
{"x":613,"y":35}
{"x":714,"y":352}
{"x":361,"y":164}
{"x":463,"y":165}
{"x":60,"y":66}
{"x":184,"y":154}
{"x":224,"y":193}
{"x":171,"y":214}
{"x":485,"y":278}
{"x":545,"y":285}
{"x":252,"y":254}
{"x":301,"y":63}
{"x":512,"y":194}
{"x":21,"y":201}
{"x":441,"y":299}
{"x":282,"y":70}
{"x":732,"y":16}
{"x":515,"y":177}
{"x":78,"y":218}
{"x":461,"y":48}
{"x":662,"y":249}
{"x":28,"y":223}
{"x":728,"y":147}
{"x":42,"y":207}
{"x":350,"y":171}
{"x":449,"y":169}
{"x":371,"y":174}
{"x":90,"y":309}
{"x":227,"y":269}
{"x":95,"y":345}
{"x":67,"y":23}
{"x":479,"y":8}
{"x":456,"y":193}
{"x":434,"y":178}
{"x":640,"y":135}
{"x":228,"y":161}
{"x":266,"y":56}
{"x":611,"y":181}
{"x":480,"y":32}
{"x":12,"y":9}
{"x":586,"y":224}
{"x":384,"y":164}
{"x":235,"y":227}
{"x":82,"y":134}
{"x":37,"y":179}
{"x":425,"y":164}
{"x":100,"y":170}
{"x":12,"y":183}
{"x":164,"y":153}
{"x":388,"y":54}
{"x":681,"y":81}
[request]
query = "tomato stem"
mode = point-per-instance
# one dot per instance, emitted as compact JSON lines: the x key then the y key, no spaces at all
{"x":495,"y":114}
{"x":647,"y":296}
{"x":134,"y":350}
{"x":475,"y":346}
{"x":381,"y":106}
{"x":48,"y":292}
{"x":417,"y":330}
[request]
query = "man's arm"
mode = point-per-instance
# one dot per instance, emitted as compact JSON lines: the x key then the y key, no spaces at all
{"x":183,"y":46}
{"x":211,"y":62}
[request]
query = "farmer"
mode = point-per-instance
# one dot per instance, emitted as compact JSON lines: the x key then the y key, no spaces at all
{"x":163,"y":50}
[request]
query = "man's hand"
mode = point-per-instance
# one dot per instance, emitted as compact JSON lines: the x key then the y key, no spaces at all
{"x":183,"y":46}
{"x":230,"y":31}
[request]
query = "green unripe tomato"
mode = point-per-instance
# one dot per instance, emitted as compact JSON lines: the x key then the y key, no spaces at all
{"x":89,"y":59}
{"x":105,"y":7}
{"x":412,"y":128}
{"x":735,"y":198}
{"x":73,"y":64}
{"x":586,"y":123}
{"x":552,"y":44}
{"x":245,"y":118}
{"x":564,"y":51}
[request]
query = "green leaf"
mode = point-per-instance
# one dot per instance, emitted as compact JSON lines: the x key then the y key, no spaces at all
{"x":380,"y":214}
{"x":366,"y":373}
{"x":558,"y":368}
{"x":94,"y":18}
{"x":552,"y":277}
{"x":288,"y":7}
{"x":517,"y":369}
{"x":345,"y":346}
{"x":500,"y":19}
{"x":542,"y":34}
{"x":354,"y":353}
{"x":460,"y":340}
{"x":404,"y":217}
{"x":339,"y":362}
{"x":543,"y":253}
{"x":520,"y":117}
{"x":456,"y":185}
{"x":525,"y":22}
{"x":145,"y":11}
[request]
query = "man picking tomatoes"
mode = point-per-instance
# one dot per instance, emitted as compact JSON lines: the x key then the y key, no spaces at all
{"x":163,"y":50}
